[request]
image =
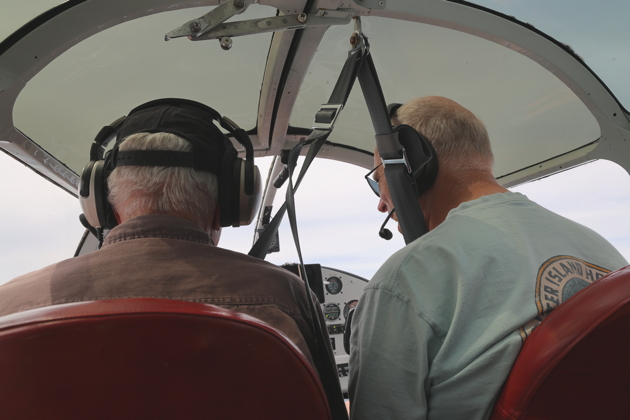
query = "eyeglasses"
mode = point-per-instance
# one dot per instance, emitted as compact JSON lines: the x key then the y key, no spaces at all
{"x":372,"y":182}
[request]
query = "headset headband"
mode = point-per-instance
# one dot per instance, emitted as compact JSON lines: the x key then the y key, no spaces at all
{"x":391,"y":109}
{"x":239,"y":180}
{"x":189,"y":120}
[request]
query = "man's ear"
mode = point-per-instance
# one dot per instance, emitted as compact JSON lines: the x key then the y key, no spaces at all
{"x":117,"y":216}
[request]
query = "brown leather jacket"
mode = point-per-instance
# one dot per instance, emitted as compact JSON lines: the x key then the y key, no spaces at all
{"x":169,"y":257}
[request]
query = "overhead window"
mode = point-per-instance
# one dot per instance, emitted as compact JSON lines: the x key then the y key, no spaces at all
{"x":105,"y":76}
{"x":596,"y":31}
{"x":530,"y":114}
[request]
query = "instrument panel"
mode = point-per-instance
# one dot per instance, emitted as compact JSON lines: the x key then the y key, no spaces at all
{"x":342,"y":293}
{"x":337,"y":292}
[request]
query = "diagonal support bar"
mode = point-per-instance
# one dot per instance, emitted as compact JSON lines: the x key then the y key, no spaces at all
{"x":197,"y":27}
{"x":272,"y":24}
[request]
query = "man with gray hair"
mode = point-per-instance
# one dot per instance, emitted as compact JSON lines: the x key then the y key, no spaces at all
{"x":439,"y":326}
{"x":182,"y":192}
{"x":164,"y":179}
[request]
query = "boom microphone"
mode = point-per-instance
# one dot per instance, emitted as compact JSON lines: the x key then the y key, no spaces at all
{"x":386,"y":233}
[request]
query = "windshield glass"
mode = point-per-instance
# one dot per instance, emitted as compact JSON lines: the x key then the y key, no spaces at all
{"x":596,"y":30}
{"x":334,"y":231}
{"x":102,"y":78}
{"x":530,"y":114}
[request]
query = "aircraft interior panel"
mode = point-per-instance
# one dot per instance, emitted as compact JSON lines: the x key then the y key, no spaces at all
{"x":342,"y":293}
{"x":338,"y":292}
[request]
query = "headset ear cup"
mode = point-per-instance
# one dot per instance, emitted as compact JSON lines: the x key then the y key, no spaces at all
{"x":421,"y":155}
{"x":104,"y":209}
{"x":91,"y":194}
{"x":93,"y":183}
{"x":238,"y":183}
{"x":249,"y":202}
{"x":227,"y":188}
{"x":246,"y":193}
{"x":86,"y":195}
{"x":427,"y":175}
{"x":240,"y":190}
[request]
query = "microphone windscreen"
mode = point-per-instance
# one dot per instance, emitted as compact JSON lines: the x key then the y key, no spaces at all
{"x":385,"y":234}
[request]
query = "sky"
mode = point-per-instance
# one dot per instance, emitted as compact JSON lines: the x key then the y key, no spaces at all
{"x":338,"y":226}
{"x":39,"y":222}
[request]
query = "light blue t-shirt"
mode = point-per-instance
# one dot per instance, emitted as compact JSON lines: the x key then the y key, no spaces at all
{"x":439,"y":326}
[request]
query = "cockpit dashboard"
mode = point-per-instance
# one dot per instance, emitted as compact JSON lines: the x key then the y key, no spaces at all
{"x":337,"y":292}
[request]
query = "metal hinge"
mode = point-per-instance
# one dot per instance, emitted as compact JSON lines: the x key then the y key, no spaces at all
{"x":212,"y":26}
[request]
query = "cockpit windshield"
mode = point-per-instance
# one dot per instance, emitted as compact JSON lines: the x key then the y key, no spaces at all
{"x":103,"y":77}
{"x":594,"y":30}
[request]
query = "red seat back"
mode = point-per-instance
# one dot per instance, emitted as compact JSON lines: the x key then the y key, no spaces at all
{"x":151,"y":359}
{"x":576,"y":363}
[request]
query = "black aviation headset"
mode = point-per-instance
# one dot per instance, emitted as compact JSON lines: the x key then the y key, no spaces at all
{"x":420,"y":153}
{"x":239,"y":179}
{"x":422,"y":165}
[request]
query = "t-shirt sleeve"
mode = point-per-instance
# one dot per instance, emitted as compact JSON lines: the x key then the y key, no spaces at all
{"x":388,"y":359}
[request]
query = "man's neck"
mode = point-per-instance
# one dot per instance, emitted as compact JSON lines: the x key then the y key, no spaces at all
{"x":450,"y":190}
{"x":210,"y":226}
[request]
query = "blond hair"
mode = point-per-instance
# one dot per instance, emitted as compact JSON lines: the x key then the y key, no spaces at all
{"x":460,"y":139}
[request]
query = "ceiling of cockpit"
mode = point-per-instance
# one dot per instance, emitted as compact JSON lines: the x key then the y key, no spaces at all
{"x":533,"y":111}
{"x":16,"y":13}
{"x":104,"y":77}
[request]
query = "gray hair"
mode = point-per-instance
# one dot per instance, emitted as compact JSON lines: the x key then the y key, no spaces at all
{"x":460,"y":139}
{"x":140,"y":190}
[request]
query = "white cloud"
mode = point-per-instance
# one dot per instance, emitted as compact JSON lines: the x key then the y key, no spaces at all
{"x":39,"y":223}
{"x":337,"y":217}
{"x":337,"y":220}
{"x":596,"y":195}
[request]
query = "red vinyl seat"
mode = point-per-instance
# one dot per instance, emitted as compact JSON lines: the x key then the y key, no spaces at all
{"x":576,"y":363}
{"x":151,"y":359}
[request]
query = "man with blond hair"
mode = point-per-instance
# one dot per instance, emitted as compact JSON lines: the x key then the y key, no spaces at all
{"x":439,"y":326}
